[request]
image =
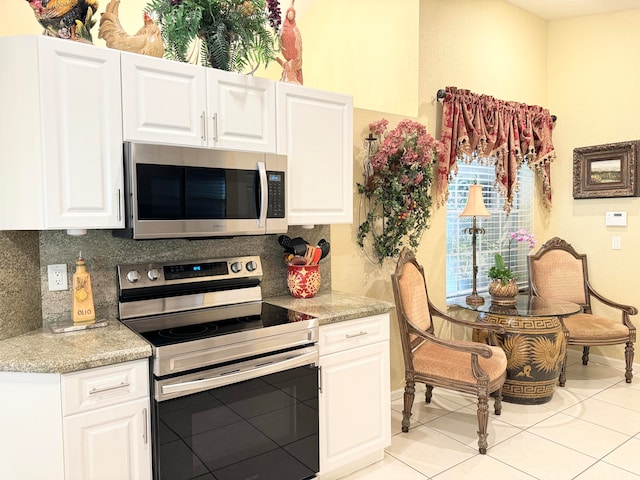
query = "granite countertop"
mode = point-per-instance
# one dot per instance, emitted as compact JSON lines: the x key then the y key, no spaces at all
{"x":42,"y":351}
{"x":333,"y":306}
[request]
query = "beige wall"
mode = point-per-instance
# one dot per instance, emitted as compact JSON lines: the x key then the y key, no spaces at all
{"x":593,"y":88}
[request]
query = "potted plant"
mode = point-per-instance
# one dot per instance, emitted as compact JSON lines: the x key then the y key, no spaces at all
{"x":236,"y":35}
{"x":504,"y":287}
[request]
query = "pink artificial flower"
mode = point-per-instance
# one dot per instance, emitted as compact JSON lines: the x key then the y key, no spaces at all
{"x":379,"y":127}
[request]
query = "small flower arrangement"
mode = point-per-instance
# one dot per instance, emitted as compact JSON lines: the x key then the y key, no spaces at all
{"x":522,"y":236}
{"x":500,"y":271}
{"x":236,"y":34}
{"x":397,"y":187}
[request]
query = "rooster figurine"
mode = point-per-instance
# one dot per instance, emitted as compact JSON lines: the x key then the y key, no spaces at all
{"x":66,"y":18}
{"x":291,"y":48}
{"x":147,"y":40}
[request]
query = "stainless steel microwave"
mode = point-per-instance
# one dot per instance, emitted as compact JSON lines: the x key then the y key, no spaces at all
{"x":182,"y":192}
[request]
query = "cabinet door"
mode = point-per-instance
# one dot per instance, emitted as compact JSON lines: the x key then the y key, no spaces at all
{"x":354,"y":406}
{"x":163,"y":101}
{"x":109,"y":443}
{"x":315,"y":131}
{"x":81,"y":135}
{"x":242,"y":112}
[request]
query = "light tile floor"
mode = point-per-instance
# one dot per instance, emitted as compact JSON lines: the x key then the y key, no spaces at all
{"x":590,"y":430}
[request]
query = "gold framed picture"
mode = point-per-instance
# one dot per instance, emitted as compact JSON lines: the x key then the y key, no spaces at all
{"x":605,"y":171}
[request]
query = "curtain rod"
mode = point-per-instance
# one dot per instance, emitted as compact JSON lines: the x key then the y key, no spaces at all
{"x":441,"y":93}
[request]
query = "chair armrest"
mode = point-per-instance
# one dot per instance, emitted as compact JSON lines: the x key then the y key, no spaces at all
{"x":476,"y":348}
{"x":493,"y":327}
{"x":630,"y":310}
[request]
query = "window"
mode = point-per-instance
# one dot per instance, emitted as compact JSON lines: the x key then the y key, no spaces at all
{"x":497,"y":228}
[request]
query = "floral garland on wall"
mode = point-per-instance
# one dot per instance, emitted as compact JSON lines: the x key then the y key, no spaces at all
{"x":398,"y":174}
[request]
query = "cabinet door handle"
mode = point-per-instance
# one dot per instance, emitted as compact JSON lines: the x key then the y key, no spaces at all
{"x":359,"y":334}
{"x":119,"y":206}
{"x":215,"y":127}
{"x":145,"y":437}
{"x":203,"y":127}
{"x":95,"y":391}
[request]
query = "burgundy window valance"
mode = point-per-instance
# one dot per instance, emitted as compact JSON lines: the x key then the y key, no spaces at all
{"x":492,"y":131}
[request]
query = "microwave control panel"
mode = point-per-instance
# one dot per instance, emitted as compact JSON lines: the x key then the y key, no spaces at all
{"x":275,"y":185}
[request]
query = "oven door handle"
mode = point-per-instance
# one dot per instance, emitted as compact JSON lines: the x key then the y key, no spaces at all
{"x":240,"y":372}
{"x":264,"y":194}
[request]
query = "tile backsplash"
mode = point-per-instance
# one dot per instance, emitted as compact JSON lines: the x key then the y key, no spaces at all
{"x":20,"y":303}
{"x":26,"y":302}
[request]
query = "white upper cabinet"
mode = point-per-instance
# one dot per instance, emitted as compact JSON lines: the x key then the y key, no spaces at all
{"x":163,"y":101}
{"x":176,"y":103}
{"x":244,"y":111}
{"x":315,"y":131}
{"x":60,"y":134}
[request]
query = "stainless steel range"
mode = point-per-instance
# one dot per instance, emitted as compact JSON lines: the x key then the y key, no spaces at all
{"x":234,"y":379}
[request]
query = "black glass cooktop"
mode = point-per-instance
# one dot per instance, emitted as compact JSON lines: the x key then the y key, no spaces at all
{"x":265,"y":316}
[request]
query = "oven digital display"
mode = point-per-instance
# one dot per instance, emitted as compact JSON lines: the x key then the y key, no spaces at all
{"x":193,"y":270}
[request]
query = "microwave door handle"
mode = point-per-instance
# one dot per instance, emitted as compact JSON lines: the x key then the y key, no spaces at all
{"x":262,"y":172}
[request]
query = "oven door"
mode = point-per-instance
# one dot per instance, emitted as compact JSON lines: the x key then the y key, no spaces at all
{"x":255,"y":419}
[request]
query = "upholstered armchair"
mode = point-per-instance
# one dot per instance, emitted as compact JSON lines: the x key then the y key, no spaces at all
{"x":557,"y":271}
{"x":460,"y":365}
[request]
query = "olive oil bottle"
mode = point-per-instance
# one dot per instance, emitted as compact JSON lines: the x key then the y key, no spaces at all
{"x":83,"y":311}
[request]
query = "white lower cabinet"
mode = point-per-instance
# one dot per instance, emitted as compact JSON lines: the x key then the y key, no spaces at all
{"x":92,"y":424}
{"x":355,"y":425}
{"x":106,"y":423}
{"x":108,"y":443}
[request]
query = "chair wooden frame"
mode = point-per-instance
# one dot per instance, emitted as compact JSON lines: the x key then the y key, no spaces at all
{"x":587,"y":291}
{"x":413,"y":337}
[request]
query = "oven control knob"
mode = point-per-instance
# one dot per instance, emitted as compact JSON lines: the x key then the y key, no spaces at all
{"x":133,"y":276}
{"x":153,"y":274}
{"x":236,"y":267}
{"x":251,"y":265}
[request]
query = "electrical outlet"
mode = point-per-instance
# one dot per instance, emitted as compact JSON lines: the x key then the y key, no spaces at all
{"x":57,"y":275}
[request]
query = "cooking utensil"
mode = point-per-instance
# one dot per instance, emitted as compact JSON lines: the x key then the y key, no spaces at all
{"x":325,"y":247}
{"x":299,"y":245}
{"x":317,"y":253}
{"x":285,"y":242}
{"x":309,"y":254}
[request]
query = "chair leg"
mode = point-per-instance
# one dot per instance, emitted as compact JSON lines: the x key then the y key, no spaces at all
{"x":628,"y":355}
{"x":585,"y":355}
{"x":428,"y":394}
{"x":483,"y":420}
{"x":563,"y":370}
{"x":497,"y":402}
{"x":409,"y":395}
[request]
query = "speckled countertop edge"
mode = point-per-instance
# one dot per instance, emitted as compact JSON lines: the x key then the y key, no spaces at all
{"x":42,"y":351}
{"x":334,"y":306}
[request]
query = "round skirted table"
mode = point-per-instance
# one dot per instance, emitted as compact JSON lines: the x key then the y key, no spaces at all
{"x":534,"y":342}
